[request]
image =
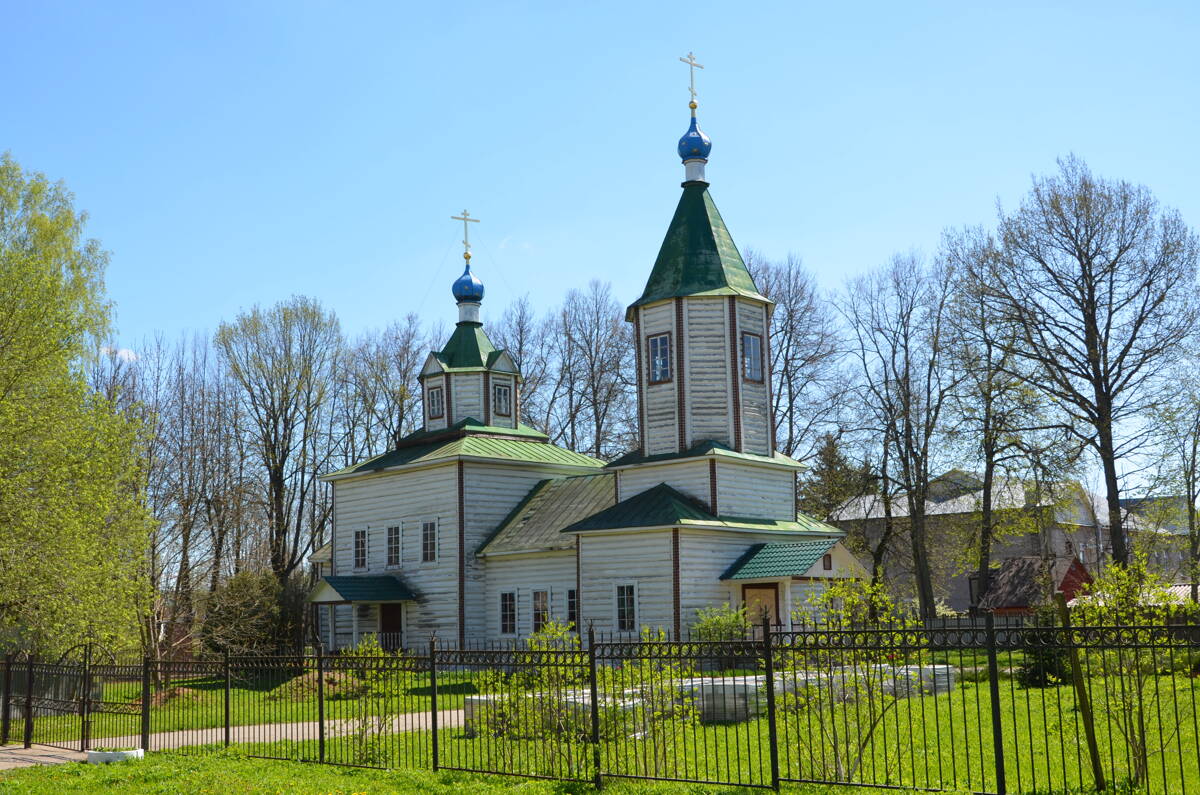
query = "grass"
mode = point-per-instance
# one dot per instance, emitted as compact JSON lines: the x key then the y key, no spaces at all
{"x":228,"y":772}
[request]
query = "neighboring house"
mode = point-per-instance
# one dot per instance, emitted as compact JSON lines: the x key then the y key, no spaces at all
{"x":477,"y":527}
{"x":1022,"y":585}
{"x":1059,"y":523}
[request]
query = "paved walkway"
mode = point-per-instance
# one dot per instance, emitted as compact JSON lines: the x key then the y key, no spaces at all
{"x":12,"y":756}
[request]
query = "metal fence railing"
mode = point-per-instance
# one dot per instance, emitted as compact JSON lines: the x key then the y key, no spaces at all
{"x":981,"y":706}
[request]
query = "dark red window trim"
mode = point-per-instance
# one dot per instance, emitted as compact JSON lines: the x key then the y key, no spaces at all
{"x":650,"y":360}
{"x":442,"y":413}
{"x":761,"y":364}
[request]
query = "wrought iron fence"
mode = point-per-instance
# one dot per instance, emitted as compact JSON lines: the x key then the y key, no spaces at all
{"x":980,"y":705}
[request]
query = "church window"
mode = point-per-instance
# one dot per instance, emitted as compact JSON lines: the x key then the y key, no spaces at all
{"x":360,"y":549}
{"x":541,"y":609}
{"x":660,"y":358}
{"x":573,"y":608}
{"x":502,"y":400}
{"x":827,"y":563}
{"x":508,"y":613}
{"x":752,"y":359}
{"x":393,"y":546}
{"x":428,"y":542}
{"x":437,"y":406}
{"x":627,"y":608}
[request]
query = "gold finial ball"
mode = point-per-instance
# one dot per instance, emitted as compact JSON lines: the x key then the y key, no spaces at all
{"x":467,"y":256}
{"x":692,"y":105}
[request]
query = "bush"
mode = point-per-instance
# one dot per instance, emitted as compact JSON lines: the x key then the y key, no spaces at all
{"x":1044,"y":666}
{"x":721,"y":623}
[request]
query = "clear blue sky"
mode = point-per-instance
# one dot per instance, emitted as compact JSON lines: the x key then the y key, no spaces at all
{"x":236,"y":153}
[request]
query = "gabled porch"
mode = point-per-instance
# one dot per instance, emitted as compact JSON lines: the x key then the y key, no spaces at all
{"x":356,"y":606}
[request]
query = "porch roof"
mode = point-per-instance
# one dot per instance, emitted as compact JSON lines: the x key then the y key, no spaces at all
{"x":352,"y":589}
{"x":778,"y":560}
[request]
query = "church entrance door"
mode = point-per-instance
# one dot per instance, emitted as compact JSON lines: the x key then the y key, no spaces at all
{"x":390,"y":626}
{"x":761,"y":600}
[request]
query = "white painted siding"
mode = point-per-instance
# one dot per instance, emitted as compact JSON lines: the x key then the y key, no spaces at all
{"x":708,"y":390}
{"x":755,"y":491}
{"x":756,"y":411}
{"x":643,"y":559}
{"x":467,"y":392}
{"x":662,"y":430}
{"x":522,"y":575}
{"x":689,"y":477}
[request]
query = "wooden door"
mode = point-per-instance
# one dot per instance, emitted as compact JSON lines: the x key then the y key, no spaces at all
{"x":761,"y":600}
{"x":389,"y":618}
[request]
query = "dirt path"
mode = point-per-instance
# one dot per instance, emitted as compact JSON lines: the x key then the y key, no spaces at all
{"x":12,"y":756}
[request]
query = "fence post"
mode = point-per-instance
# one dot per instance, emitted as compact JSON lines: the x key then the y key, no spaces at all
{"x":228,"y":687}
{"x":433,"y":709}
{"x":772,"y":728}
{"x":594,"y":687}
{"x":29,"y":701}
{"x":146,"y":697}
{"x":321,"y":702}
{"x":994,"y":688}
{"x":1081,"y":693}
{"x":85,"y":700}
{"x":6,"y":702}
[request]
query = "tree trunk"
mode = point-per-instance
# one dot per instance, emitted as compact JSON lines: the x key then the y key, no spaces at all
{"x":1112,"y":493}
{"x":983,"y":581}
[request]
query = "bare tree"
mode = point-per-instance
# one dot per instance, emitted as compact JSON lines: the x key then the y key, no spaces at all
{"x":1179,"y":438}
{"x":1099,"y":282}
{"x":898,"y":318}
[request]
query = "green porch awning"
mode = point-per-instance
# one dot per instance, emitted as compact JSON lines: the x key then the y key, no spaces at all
{"x":368,"y":589}
{"x":763,"y":561}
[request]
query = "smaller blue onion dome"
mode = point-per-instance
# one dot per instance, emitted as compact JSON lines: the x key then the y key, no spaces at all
{"x":467,"y":287}
{"x":694,"y":145}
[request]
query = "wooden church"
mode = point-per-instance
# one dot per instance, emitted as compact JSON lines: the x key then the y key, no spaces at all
{"x":477,"y":528}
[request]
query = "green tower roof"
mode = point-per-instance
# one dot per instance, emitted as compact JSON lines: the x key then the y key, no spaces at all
{"x":698,"y":256}
{"x":468,"y":348}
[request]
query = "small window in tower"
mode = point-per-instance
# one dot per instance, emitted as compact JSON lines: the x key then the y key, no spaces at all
{"x":437,"y":406}
{"x":502,"y":400}
{"x":752,"y":360}
{"x":660,"y":358}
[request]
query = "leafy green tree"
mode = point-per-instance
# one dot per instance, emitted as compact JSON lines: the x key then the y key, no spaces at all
{"x":832,"y":480}
{"x":73,"y":529}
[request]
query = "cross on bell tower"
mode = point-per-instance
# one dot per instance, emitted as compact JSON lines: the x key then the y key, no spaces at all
{"x":690,"y":60}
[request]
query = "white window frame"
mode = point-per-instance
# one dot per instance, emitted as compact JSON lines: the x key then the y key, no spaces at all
{"x":617,"y":605}
{"x":651,"y":339}
{"x":533,"y":608}
{"x":387,"y":546}
{"x":441,"y":402}
{"x":365,"y":534}
{"x":516,"y":614}
{"x":437,"y":538}
{"x":497,"y":390}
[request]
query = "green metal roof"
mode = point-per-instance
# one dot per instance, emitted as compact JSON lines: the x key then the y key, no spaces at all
{"x":535,"y":523}
{"x":698,"y":255}
{"x":382,"y":588}
{"x":468,"y":438}
{"x":468,"y":349}
{"x":705,"y":448}
{"x":778,"y":560}
{"x":656,"y":507}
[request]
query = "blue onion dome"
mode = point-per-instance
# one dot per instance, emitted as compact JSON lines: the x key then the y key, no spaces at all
{"x":467,"y":287}
{"x":694,"y":145}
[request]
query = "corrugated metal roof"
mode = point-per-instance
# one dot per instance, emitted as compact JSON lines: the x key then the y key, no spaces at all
{"x":778,"y":560}
{"x":535,"y":524}
{"x":480,"y":441}
{"x":705,"y":448}
{"x":656,"y":507}
{"x":374,"y":588}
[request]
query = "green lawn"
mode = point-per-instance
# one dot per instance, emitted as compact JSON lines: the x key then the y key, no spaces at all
{"x":231,"y":773}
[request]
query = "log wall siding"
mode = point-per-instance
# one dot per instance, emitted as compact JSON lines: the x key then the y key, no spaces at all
{"x":682,"y":382}
{"x":708,"y":392}
{"x":690,"y":477}
{"x":660,"y":399}
{"x":376,"y":503}
{"x":760,"y":492}
{"x":638,"y":558}
{"x":735,"y":375}
{"x":468,"y":396}
{"x":429,"y":383}
{"x":522,"y":575}
{"x":487,"y":399}
{"x":755,"y":403}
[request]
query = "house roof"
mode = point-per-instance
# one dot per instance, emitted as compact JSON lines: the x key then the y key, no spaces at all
{"x":663,"y":506}
{"x":778,"y":560}
{"x":535,"y":523}
{"x":698,"y":255}
{"x":470,"y":438}
{"x":1022,"y":582}
{"x":375,"y":588}
{"x":708,"y":447}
